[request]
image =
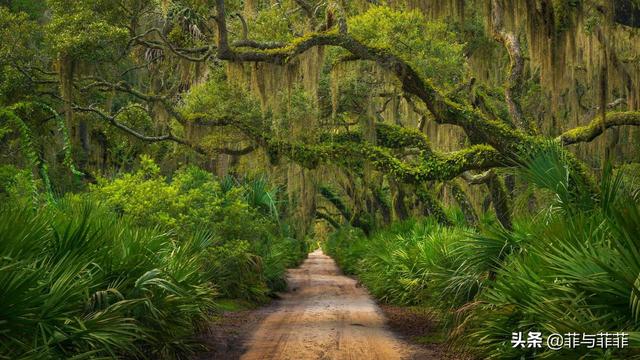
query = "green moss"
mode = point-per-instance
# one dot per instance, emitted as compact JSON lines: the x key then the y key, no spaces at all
{"x":433,"y":207}
{"x":437,"y":337}
{"x":397,"y":137}
{"x":329,"y":194}
{"x":588,"y":132}
{"x":295,"y":45}
{"x":234,"y":305}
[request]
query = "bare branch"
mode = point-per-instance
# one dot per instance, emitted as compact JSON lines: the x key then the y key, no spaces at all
{"x":205,"y":51}
{"x":112,"y":119}
{"x":245,"y":27}
{"x":121,"y":86}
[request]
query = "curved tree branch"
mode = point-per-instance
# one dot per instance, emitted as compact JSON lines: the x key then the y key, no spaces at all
{"x":434,"y":166}
{"x":489,"y":131}
{"x":477,"y":179}
{"x":596,"y":128}
{"x":497,"y":192}
{"x":112,"y":119}
{"x":513,"y":88}
{"x":183,"y":53}
{"x":321,"y":215}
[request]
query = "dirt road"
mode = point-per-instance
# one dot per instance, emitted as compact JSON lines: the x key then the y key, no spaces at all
{"x":325,"y":315}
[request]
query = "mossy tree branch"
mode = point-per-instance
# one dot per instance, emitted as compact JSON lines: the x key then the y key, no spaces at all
{"x":500,"y":200}
{"x":596,"y":127}
{"x":355,"y":219}
{"x":323,"y":216}
{"x":337,"y":202}
{"x":514,"y":85}
{"x":497,"y":193}
{"x":494,"y":137}
{"x":435,"y":166}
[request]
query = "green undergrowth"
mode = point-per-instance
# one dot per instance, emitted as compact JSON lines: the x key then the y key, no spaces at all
{"x":234,"y":305}
{"x":138,"y":266}
{"x":438,"y":337}
{"x":573,"y":267}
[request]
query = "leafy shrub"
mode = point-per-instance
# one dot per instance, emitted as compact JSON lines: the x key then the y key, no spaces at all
{"x":134,"y":267}
{"x":430,"y":47}
{"x":16,"y":185}
{"x":405,"y":264}
{"x":572,"y":268}
{"x":77,"y":283}
{"x":191,"y":200}
{"x":250,"y":251}
{"x":577,"y":273}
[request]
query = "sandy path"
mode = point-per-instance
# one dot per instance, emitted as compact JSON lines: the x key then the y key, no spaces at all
{"x":324,"y":316}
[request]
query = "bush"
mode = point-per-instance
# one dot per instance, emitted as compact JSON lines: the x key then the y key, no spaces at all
{"x":572,"y":268}
{"x":75,"y":282}
{"x":251,"y":249}
{"x":405,"y":264}
{"x":134,"y":267}
{"x":577,"y":274}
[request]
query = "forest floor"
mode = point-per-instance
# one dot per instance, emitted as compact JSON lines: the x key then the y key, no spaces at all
{"x":323,"y":315}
